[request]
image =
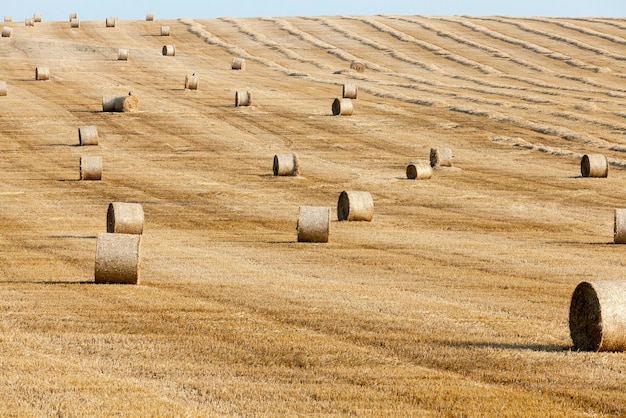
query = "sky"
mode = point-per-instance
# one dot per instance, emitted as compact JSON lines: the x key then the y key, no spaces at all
{"x":59,"y":10}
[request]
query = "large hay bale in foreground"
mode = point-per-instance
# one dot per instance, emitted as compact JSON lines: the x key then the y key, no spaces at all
{"x":286,"y":165}
{"x":122,"y":54}
{"x":88,"y":135}
{"x":169,"y":50}
{"x":619,"y":226}
{"x":342,"y":107}
{"x":357,"y":66}
{"x":238,"y":64}
{"x":440,"y":157}
{"x":118,"y":259}
{"x":419,"y":171}
{"x":7,"y":32}
{"x":594,"y":165}
{"x":313,"y":224}
{"x":243,"y":98}
{"x":42,"y":73}
{"x":597,"y":316}
{"x":191,"y":81}
{"x":125,"y":218}
{"x":3,"y":88}
{"x":165,"y":31}
{"x":90,"y":168}
{"x":355,"y":206}
{"x":349,"y":91}
{"x":111,"y":103}
{"x":110,"y":22}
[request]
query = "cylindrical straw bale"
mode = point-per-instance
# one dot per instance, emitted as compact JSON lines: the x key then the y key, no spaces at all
{"x":88,"y":135}
{"x":122,"y":54}
{"x":594,"y":165}
{"x":191,"y":81}
{"x":3,"y":88}
{"x":357,"y":66}
{"x":149,"y":17}
{"x":75,"y":23}
{"x":597,"y":316}
{"x":42,"y":73}
{"x":37,"y":18}
{"x":118,"y":258}
{"x":238,"y":64}
{"x":342,"y":107}
{"x":419,"y":171}
{"x":125,"y":218}
{"x":286,"y":165}
{"x":7,"y":32}
{"x":165,"y":31}
{"x":29,"y":21}
{"x":90,"y":168}
{"x":243,"y":98}
{"x":110,"y":22}
{"x":112,"y":103}
{"x":440,"y":157}
{"x":619,"y":226}
{"x":169,"y":50}
{"x":8,"y":19}
{"x":349,"y":91}
{"x":355,"y":206}
{"x":108,"y":103}
{"x":73,"y":16}
{"x":313,"y":224}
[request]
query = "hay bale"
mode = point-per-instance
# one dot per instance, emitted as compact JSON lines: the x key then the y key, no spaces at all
{"x":75,"y":23}
{"x":357,"y":66}
{"x":313,"y":224}
{"x":37,"y":18}
{"x":73,"y":16}
{"x":286,"y":165}
{"x":440,"y":157}
{"x":118,"y":259}
{"x":191,"y":81}
{"x":355,"y":206}
{"x":619,"y":226}
{"x":3,"y":88}
{"x":90,"y":168}
{"x":419,"y":171}
{"x":597,"y":316}
{"x":127,"y":103}
{"x":29,"y":21}
{"x":342,"y":107}
{"x":594,"y":165}
{"x":238,"y":64}
{"x":110,"y":22}
{"x":165,"y":31}
{"x":42,"y":73}
{"x":122,"y":54}
{"x":169,"y":50}
{"x":149,"y":17}
{"x":243,"y":98}
{"x":8,"y":19}
{"x":7,"y":32}
{"x":349,"y":91}
{"x":125,"y":218}
{"x":88,"y":135}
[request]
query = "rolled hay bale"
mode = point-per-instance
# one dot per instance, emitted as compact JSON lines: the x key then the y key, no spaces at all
{"x":88,"y":135}
{"x":165,"y":31}
{"x":191,"y":81}
{"x":75,"y":23}
{"x":619,"y":226}
{"x":597,"y":316}
{"x":342,"y":107}
{"x":29,"y":21}
{"x":73,"y":16}
{"x":3,"y":88}
{"x":243,"y":98}
{"x":42,"y":73}
{"x":8,"y":19}
{"x":594,"y":165}
{"x":118,"y":259}
{"x":90,"y":168}
{"x":7,"y":32}
{"x":349,"y":91}
{"x":313,"y":224}
{"x":355,"y":206}
{"x":122,"y":54}
{"x":149,"y":17}
{"x":357,"y":66}
{"x":37,"y":18}
{"x":286,"y":165}
{"x":110,"y":22}
{"x":419,"y":171}
{"x":112,"y":103}
{"x":169,"y":50}
{"x":440,"y":157}
{"x":125,"y":218}
{"x":238,"y":64}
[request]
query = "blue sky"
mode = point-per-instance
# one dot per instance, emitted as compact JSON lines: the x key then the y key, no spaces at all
{"x":137,"y":9}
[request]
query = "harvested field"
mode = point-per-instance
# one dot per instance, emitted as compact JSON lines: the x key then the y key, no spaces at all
{"x":452,"y":301}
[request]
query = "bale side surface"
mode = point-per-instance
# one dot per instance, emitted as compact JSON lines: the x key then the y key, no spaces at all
{"x":357,"y":66}
{"x":238,"y":64}
{"x":90,"y":168}
{"x":108,"y":103}
{"x":42,"y":73}
{"x":243,"y":98}
{"x":419,"y":171}
{"x":88,"y":135}
{"x":118,"y":259}
{"x":619,"y":226}
{"x":286,"y":165}
{"x":7,"y":32}
{"x":342,"y":107}
{"x":349,"y":91}
{"x":313,"y":224}
{"x":125,"y":218}
{"x":440,"y":157}
{"x":355,"y":206}
{"x":594,"y":165}
{"x":3,"y":88}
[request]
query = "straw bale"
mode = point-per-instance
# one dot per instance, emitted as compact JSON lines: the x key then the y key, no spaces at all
{"x":243,"y":98}
{"x":127,"y":103}
{"x":342,"y":107}
{"x":3,"y":88}
{"x":355,"y":206}
{"x":191,"y":81}
{"x":29,"y":21}
{"x":165,"y":31}
{"x":619,"y":226}
{"x":122,"y":54}
{"x":149,"y":17}
{"x":440,"y":157}
{"x":349,"y":91}
{"x":419,"y":171}
{"x":90,"y":168}
{"x":110,"y":22}
{"x":169,"y":50}
{"x":286,"y":165}
{"x":42,"y":73}
{"x":125,"y":218}
{"x":88,"y":135}
{"x":7,"y":32}
{"x":8,"y":19}
{"x":75,"y":23}
{"x":37,"y":18}
{"x":73,"y":16}
{"x":313,"y":224}
{"x":118,"y":259}
{"x":357,"y":66}
{"x":594,"y":165}
{"x":238,"y":64}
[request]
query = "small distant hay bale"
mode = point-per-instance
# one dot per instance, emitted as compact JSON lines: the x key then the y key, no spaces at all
{"x":355,"y":206}
{"x":440,"y":157}
{"x":342,"y":107}
{"x":90,"y":168}
{"x":37,"y":18}
{"x":419,"y":171}
{"x":111,"y":103}
{"x":7,"y":32}
{"x":349,"y":91}
{"x":8,"y":19}
{"x":29,"y":21}
{"x":125,"y":218}
{"x":238,"y":64}
{"x":594,"y":165}
{"x":122,"y":54}
{"x":597,"y":316}
{"x":357,"y":66}
{"x":110,"y":22}
{"x":619,"y":226}
{"x":191,"y":81}
{"x":88,"y":135}
{"x":286,"y":165}
{"x":42,"y":73}
{"x":73,"y":16}
{"x":313,"y":224}
{"x":169,"y":50}
{"x":75,"y":23}
{"x":165,"y":31}
{"x":3,"y":88}
{"x":118,"y":259}
{"x":149,"y":17}
{"x":243,"y":98}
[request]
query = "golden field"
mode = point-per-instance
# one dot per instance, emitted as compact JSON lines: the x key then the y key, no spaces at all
{"x":453,"y":301}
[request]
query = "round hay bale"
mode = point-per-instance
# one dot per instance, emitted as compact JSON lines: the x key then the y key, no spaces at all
{"x":3,"y":88}
{"x":29,"y":21}
{"x":440,"y":157}
{"x":342,"y":107}
{"x":238,"y":64}
{"x":122,"y":54}
{"x":75,"y":23}
{"x":597,"y":316}
{"x":355,"y":206}
{"x":357,"y":66}
{"x":286,"y":165}
{"x":125,"y":218}
{"x":7,"y":32}
{"x":149,"y":17}
{"x":8,"y":19}
{"x":165,"y":31}
{"x":118,"y":259}
{"x":191,"y":81}
{"x":42,"y":73}
{"x":169,"y":50}
{"x":619,"y":226}
{"x":313,"y":224}
{"x":37,"y":18}
{"x":349,"y":91}
{"x":110,"y":22}
{"x":127,"y":103}
{"x":594,"y":165}
{"x":88,"y":135}
{"x":108,"y":102}
{"x":73,"y":16}
{"x":419,"y":171}
{"x":90,"y":168}
{"x":243,"y":98}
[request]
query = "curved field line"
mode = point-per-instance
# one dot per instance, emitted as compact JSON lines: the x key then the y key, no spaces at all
{"x":586,"y":31}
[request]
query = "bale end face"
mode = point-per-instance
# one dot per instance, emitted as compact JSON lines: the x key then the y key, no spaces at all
{"x":118,"y":259}
{"x":585,"y":318}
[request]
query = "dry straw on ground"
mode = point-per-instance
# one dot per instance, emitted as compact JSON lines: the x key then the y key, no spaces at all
{"x":349,"y":91}
{"x":357,"y":66}
{"x":313,"y":224}
{"x":111,"y":103}
{"x":168,"y":50}
{"x":125,"y":218}
{"x":342,"y":107}
{"x":597,"y":317}
{"x":149,"y":17}
{"x":7,"y":32}
{"x":122,"y":54}
{"x":440,"y":157}
{"x":238,"y":64}
{"x":3,"y":88}
{"x":88,"y":135}
{"x":118,"y":259}
{"x":90,"y":168}
{"x":42,"y":73}
{"x":110,"y":22}
{"x":619,"y":226}
{"x":243,"y":98}
{"x":75,"y":23}
{"x":165,"y":31}
{"x":355,"y":206}
{"x":594,"y":165}
{"x":286,"y":165}
{"x":419,"y":171}
{"x":192,"y":81}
